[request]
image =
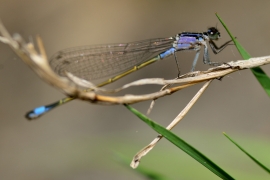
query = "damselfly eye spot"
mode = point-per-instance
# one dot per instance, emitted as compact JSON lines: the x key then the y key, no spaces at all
{"x":212,"y":30}
{"x":213,"y":33}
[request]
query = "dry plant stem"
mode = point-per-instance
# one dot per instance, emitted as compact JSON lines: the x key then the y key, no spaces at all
{"x":41,"y":47}
{"x":153,"y":101}
{"x":131,"y":99}
{"x":201,"y":76}
{"x":136,"y":159}
{"x":39,"y":64}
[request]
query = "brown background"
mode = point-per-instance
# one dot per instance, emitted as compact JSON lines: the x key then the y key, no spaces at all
{"x":78,"y":140}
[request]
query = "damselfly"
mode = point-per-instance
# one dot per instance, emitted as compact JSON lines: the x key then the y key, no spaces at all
{"x":95,"y":62}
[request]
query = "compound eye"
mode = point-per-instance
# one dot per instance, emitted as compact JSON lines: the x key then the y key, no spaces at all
{"x":213,"y":33}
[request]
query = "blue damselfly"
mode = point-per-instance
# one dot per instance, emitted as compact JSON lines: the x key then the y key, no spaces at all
{"x":95,"y":62}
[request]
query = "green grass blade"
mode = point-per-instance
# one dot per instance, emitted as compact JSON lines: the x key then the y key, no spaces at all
{"x":148,"y":174}
{"x":251,"y":157}
{"x":263,"y":79}
{"x":182,"y":145}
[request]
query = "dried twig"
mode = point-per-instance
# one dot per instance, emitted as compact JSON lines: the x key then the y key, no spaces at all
{"x":136,"y":160}
{"x":39,"y":63}
{"x":154,"y":100}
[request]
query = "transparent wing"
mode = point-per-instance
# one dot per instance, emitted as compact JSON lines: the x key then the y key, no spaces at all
{"x":95,"y":62}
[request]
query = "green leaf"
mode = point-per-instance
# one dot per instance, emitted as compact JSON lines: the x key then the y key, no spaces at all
{"x":148,"y":174}
{"x":182,"y":145}
{"x":251,"y":157}
{"x":263,"y":79}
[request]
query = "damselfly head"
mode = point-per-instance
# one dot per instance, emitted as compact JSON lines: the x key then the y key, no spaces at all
{"x":213,"y":33}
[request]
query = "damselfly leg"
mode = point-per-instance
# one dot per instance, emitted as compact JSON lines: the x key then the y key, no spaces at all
{"x":217,"y":49}
{"x":195,"y":60}
{"x":177,"y":64}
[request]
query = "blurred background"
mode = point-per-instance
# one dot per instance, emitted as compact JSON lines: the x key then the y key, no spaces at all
{"x":79,"y":140}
